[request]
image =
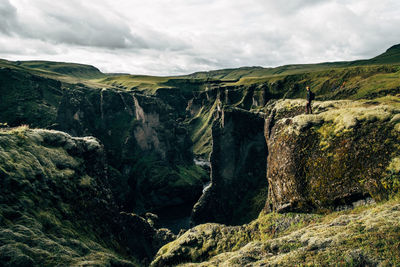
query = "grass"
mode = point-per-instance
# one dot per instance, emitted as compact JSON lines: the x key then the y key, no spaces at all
{"x":147,"y":84}
{"x":68,"y":69}
{"x":391,"y":56}
{"x":201,"y":132}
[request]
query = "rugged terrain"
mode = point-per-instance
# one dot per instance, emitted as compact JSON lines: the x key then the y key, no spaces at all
{"x":57,"y":207}
{"x":231,"y":146}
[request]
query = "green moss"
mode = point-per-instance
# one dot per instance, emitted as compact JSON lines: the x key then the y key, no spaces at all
{"x":85,"y":181}
{"x":201,"y":126}
{"x":46,"y":217}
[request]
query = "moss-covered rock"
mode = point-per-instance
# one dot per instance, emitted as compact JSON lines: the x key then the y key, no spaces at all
{"x":56,"y":206}
{"x":364,"y":236}
{"x":28,"y":99}
{"x":339,"y":154}
{"x":208,"y":240}
{"x":238,"y":184}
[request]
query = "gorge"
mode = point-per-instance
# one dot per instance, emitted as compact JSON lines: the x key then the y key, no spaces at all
{"x":219,"y":168}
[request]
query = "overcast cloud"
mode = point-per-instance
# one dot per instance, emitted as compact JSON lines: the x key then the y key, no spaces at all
{"x":169,"y":37}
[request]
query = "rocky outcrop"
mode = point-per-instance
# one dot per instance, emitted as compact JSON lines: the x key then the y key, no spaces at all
{"x":366,"y":236}
{"x":344,"y":152}
{"x":57,"y":207}
{"x":238,"y":180}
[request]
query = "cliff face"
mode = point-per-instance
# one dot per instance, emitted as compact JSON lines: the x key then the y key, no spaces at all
{"x":57,"y":206}
{"x":147,"y":144}
{"x":27,"y":98}
{"x":345,"y":152}
{"x":144,"y":141}
{"x":238,"y":183}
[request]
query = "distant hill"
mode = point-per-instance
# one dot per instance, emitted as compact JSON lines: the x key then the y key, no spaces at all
{"x":391,"y":56}
{"x":69,"y":69}
{"x":317,"y":74}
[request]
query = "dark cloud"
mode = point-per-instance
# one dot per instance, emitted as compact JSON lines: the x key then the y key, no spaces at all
{"x":76,"y":23}
{"x":8,"y":16}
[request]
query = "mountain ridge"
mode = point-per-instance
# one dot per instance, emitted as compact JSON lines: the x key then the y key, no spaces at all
{"x":79,"y":70}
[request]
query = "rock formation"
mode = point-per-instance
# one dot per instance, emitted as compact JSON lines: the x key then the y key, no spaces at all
{"x":337,"y":156}
{"x":238,"y":181}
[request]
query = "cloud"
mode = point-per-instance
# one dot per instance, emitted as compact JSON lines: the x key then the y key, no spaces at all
{"x":7,"y":17}
{"x":82,"y":23}
{"x":166,"y":37}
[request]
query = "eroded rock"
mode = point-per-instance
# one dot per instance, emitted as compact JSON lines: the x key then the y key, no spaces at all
{"x":238,"y":184}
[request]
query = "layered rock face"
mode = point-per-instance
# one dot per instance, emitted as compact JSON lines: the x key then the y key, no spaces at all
{"x":145,"y":144}
{"x":57,"y":207}
{"x":238,"y":184}
{"x":345,"y":152}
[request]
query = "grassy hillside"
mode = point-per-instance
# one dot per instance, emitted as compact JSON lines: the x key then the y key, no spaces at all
{"x":69,"y":69}
{"x":199,"y":81}
{"x":69,"y":73}
{"x":144,"y":83}
{"x":236,"y":74}
{"x":354,"y":82}
{"x":391,"y":56}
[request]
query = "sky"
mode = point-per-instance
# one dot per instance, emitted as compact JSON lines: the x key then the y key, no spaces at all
{"x":172,"y":37}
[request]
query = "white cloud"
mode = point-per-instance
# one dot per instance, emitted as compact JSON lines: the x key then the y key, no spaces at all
{"x":163,"y":37}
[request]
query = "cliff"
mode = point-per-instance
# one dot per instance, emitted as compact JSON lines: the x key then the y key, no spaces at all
{"x":238,"y":186}
{"x":346,"y":151}
{"x":57,"y":207}
{"x":147,"y":145}
{"x":148,"y":149}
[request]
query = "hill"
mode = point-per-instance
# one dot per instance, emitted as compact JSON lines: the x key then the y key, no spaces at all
{"x":69,"y":69}
{"x":391,"y":56}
